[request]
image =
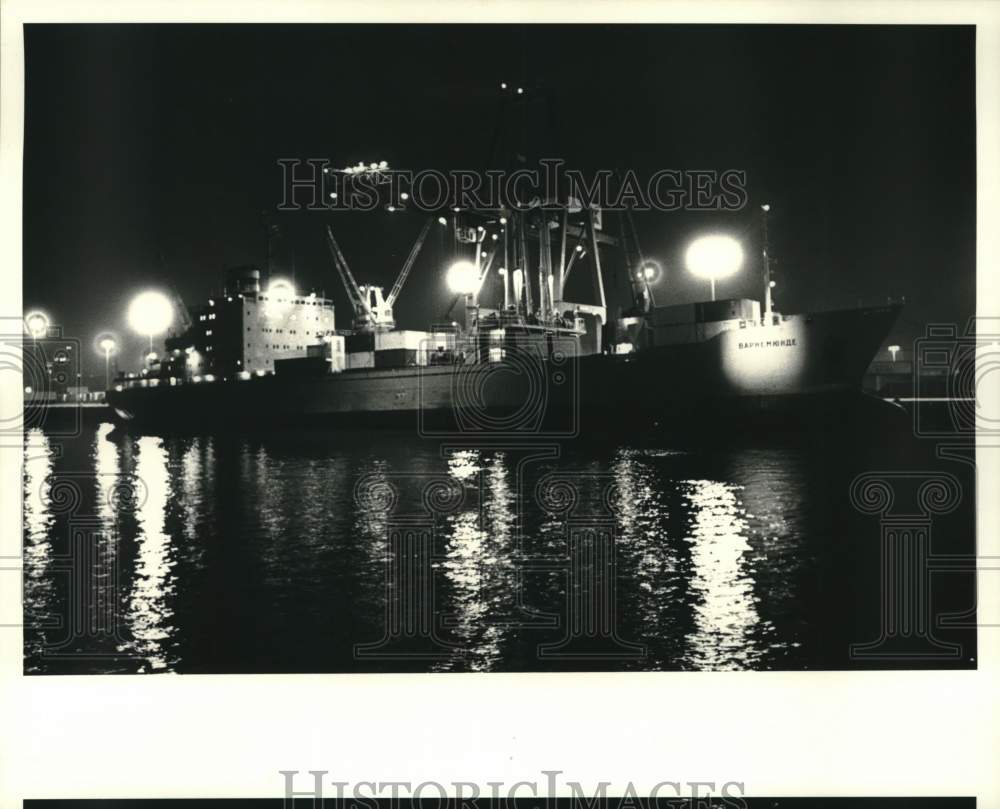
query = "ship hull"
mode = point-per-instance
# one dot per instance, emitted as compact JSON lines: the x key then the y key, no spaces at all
{"x":810,"y":365}
{"x":801,"y":355}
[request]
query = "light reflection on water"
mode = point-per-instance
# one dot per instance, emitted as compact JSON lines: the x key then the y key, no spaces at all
{"x":653,"y":563}
{"x":247,"y":554}
{"x":150,"y":614}
{"x":725,"y":613}
{"x":39,"y":588}
{"x":479,"y":562}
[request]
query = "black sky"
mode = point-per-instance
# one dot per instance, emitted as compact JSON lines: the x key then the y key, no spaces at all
{"x":151,"y":151}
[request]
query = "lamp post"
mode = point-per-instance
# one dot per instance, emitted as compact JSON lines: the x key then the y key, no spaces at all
{"x":714,"y":257}
{"x":107,"y":345}
{"x":768,"y":283}
{"x":893,"y":350}
{"x":37,"y":323}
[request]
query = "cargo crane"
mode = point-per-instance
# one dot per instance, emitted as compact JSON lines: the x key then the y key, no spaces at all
{"x":372,"y":311}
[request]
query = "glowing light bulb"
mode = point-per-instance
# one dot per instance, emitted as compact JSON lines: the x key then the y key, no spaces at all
{"x":462,"y":278}
{"x":714,"y":256}
{"x":37,"y":324}
{"x":150,"y":313}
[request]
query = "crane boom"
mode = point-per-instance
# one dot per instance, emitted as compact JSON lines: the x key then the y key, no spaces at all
{"x":358,"y":300}
{"x":489,"y":264}
{"x":408,"y":265}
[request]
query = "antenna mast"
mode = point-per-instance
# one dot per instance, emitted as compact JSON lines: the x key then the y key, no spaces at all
{"x":767,"y":268}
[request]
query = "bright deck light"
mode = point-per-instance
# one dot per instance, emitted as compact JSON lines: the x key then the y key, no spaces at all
{"x":281,"y":289}
{"x":280,"y":296}
{"x":150,"y":313}
{"x":714,"y":257}
{"x":463,"y":278}
{"x":649,"y":271}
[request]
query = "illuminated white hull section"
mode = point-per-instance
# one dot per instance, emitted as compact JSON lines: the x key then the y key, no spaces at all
{"x":796,"y":355}
{"x":766,"y":360}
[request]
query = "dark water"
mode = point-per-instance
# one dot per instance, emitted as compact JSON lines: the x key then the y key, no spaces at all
{"x":328,"y":552}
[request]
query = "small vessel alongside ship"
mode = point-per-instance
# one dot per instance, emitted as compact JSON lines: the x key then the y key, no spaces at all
{"x":519,"y":358}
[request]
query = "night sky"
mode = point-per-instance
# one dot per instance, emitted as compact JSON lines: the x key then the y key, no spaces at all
{"x":151,"y":152}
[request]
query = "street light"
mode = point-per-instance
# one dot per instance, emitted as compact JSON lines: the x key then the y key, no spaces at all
{"x":37,"y":323}
{"x":714,"y":257}
{"x":150,"y":313}
{"x":108,"y":345}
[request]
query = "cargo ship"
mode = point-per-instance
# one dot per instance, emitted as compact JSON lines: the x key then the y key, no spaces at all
{"x":518,"y":359}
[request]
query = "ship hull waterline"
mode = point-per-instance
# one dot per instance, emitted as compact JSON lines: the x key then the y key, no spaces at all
{"x":804,"y":371}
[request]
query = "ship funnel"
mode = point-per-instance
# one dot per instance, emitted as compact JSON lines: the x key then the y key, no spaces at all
{"x":242,"y":281}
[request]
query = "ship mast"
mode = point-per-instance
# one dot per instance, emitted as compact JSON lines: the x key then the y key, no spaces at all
{"x":767,"y":268}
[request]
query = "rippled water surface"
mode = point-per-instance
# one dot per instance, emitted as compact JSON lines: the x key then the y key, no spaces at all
{"x":309,"y":552}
